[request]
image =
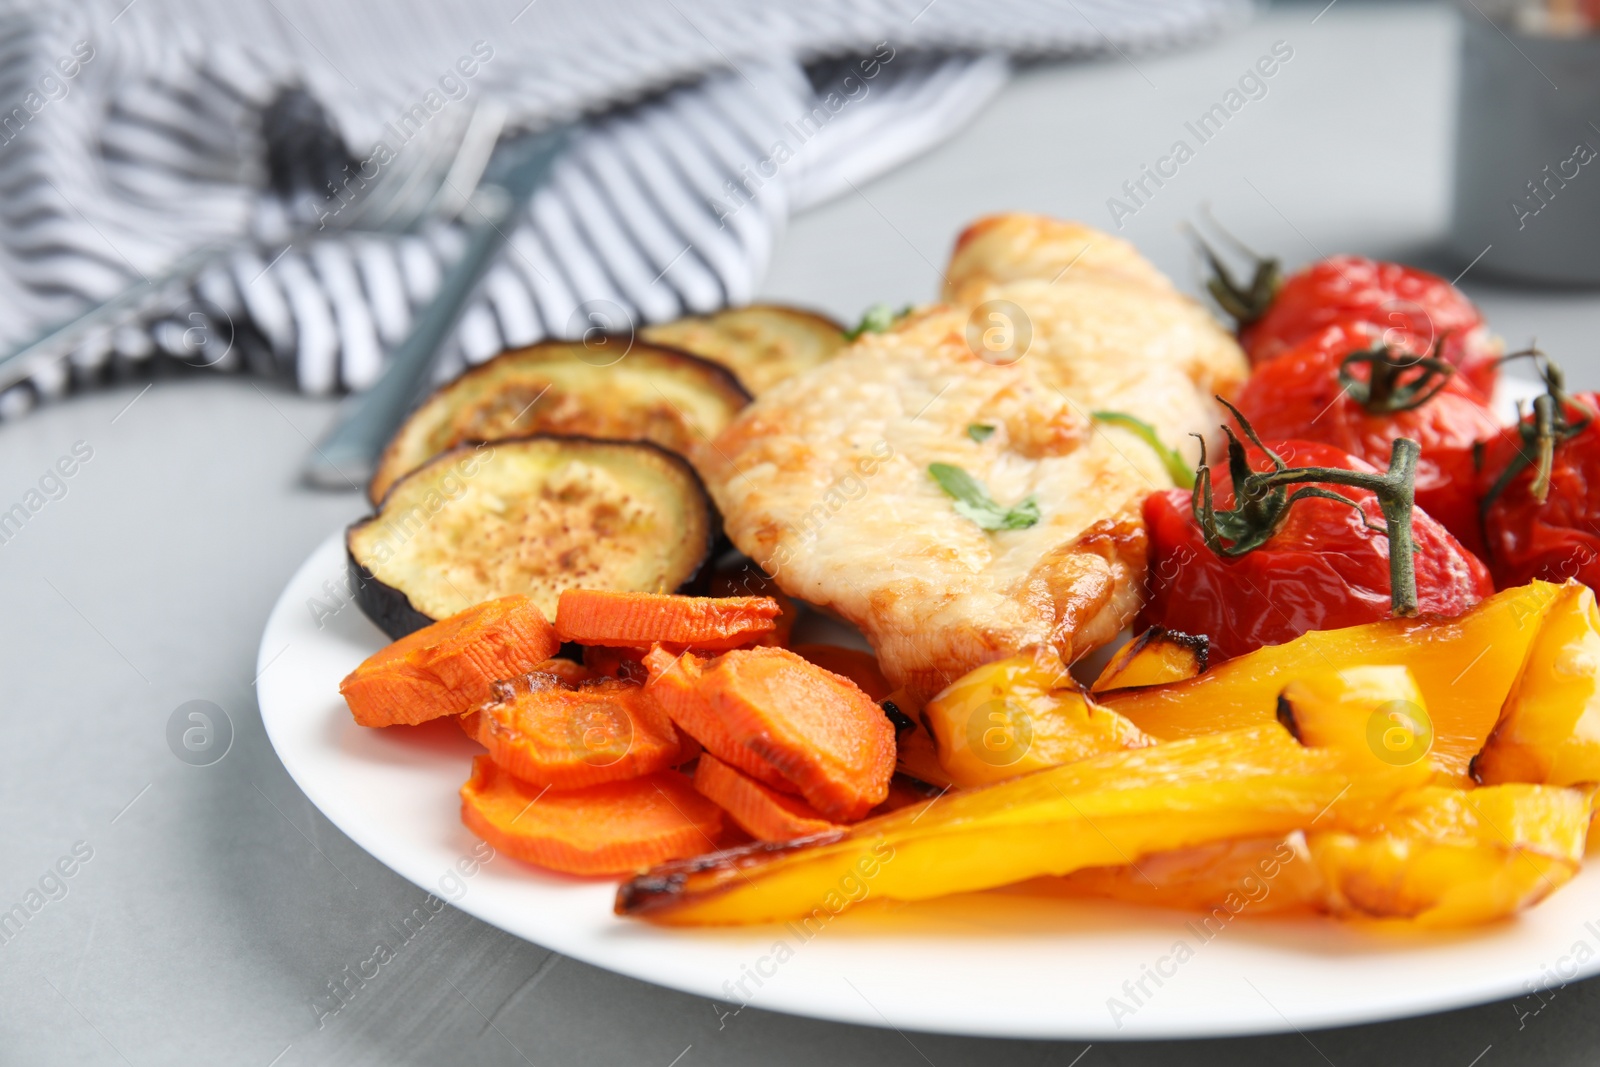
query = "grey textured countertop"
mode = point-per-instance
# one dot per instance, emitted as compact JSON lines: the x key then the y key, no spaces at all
{"x":216,"y":905}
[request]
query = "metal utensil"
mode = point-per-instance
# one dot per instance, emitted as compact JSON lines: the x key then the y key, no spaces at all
{"x":348,"y":455}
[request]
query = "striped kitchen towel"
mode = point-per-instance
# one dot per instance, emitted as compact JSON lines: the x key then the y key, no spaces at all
{"x":135,"y":136}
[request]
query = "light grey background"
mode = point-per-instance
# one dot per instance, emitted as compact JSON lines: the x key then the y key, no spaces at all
{"x":218,"y":902}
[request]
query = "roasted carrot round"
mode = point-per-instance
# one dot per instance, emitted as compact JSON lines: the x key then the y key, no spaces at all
{"x":860,"y":667}
{"x":449,"y":667}
{"x":567,"y":736}
{"x":639,"y":620}
{"x":616,"y":662}
{"x":822,"y":733}
{"x":612,"y":828}
{"x":674,"y":686}
{"x":568,"y":670}
{"x":747,"y":579}
{"x":766,"y":814}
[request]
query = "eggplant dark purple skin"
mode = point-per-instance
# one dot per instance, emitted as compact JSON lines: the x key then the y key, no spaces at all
{"x":386,"y":606}
{"x":598,"y":415}
{"x":392,"y":611}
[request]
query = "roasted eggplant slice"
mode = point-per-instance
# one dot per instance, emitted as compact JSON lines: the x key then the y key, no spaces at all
{"x":530,"y":515}
{"x":648,"y":393}
{"x":762,"y":344}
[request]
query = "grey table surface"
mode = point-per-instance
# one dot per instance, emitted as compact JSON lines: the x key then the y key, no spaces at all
{"x":217,"y":904}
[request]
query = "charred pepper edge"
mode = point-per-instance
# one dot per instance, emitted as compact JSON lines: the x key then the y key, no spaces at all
{"x":1287,"y":719}
{"x":901,"y":720}
{"x":665,"y":884}
{"x":1198,"y":644}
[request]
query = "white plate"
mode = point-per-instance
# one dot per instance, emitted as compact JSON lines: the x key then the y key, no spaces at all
{"x":1001,"y":964}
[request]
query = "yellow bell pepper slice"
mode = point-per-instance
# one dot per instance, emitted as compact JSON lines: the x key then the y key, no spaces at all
{"x":1456,"y":857}
{"x":1376,"y":714}
{"x":1097,"y":812}
{"x":1434,"y":857}
{"x":1155,"y":657}
{"x":1550,"y":729}
{"x":1019,"y":715}
{"x":1261,"y":875}
{"x":1464,"y":666}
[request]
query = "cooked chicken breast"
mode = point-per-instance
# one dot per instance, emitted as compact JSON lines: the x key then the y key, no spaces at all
{"x":825,"y":479}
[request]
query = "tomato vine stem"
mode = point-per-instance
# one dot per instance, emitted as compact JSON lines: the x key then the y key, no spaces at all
{"x":1262,"y":502}
{"x":1246,"y":302}
{"x":1386,"y":390}
{"x":1557,"y":417}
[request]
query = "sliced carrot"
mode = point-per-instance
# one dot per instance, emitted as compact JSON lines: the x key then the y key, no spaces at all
{"x":764,"y":812}
{"x":639,"y":620}
{"x":784,"y":721}
{"x":822,"y":733}
{"x":747,"y":579}
{"x":611,"y":828}
{"x":449,"y":667}
{"x":616,"y":662}
{"x":860,"y":667}
{"x":566,"y":736}
{"x":568,"y":670}
{"x":675,"y":687}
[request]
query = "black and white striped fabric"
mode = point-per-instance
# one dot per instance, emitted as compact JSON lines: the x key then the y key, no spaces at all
{"x":134,"y":139}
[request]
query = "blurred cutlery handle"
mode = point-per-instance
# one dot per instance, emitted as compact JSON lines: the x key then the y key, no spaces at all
{"x":348,"y":455}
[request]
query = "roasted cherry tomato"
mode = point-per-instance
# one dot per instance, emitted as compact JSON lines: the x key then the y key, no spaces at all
{"x":1414,"y":309}
{"x":1264,"y":575}
{"x":1344,"y":386}
{"x":1540,"y":489}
